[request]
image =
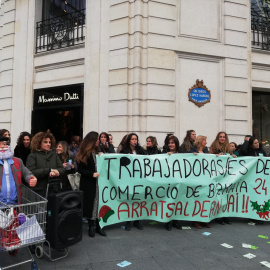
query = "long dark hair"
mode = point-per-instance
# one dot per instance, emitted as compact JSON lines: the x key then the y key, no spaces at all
{"x":176,"y":141}
{"x":126,"y":146}
{"x":187,"y":142}
{"x":106,"y":134}
{"x":88,"y":145}
{"x":21,"y":138}
{"x":166,"y":141}
{"x":251,"y":141}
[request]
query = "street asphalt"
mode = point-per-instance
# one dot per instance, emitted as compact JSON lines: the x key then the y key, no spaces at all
{"x":155,"y":248}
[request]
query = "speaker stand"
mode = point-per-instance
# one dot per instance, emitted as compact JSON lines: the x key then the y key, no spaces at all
{"x":40,"y":252}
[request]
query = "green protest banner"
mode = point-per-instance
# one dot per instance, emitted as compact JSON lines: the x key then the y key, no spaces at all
{"x":182,"y":187}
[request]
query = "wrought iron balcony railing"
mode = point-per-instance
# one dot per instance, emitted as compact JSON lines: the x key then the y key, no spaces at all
{"x":260,"y":29}
{"x":60,"y":32}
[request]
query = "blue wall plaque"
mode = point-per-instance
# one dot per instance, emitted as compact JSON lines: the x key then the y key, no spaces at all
{"x":199,"y":94}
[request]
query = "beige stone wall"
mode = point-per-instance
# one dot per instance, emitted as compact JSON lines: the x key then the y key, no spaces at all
{"x":157,"y":51}
{"x":139,"y":59}
{"x":7,"y":35}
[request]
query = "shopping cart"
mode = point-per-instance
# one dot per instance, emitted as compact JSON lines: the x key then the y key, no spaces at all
{"x":22,"y":225}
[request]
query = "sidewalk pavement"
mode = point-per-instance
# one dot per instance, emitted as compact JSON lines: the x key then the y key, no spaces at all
{"x":155,"y":248}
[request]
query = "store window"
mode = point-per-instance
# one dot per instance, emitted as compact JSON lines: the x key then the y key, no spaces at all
{"x":59,"y":109}
{"x":261,"y":118}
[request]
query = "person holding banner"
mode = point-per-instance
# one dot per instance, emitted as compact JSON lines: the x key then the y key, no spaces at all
{"x":151,"y":146}
{"x":188,"y":142}
{"x":86,"y":160}
{"x":173,"y":148}
{"x":253,"y":148}
{"x":200,"y":147}
{"x":221,"y":146}
{"x":132,"y":146}
{"x":165,"y":148}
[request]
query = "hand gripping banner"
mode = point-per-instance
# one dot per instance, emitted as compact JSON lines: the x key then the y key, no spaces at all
{"x":182,"y":187}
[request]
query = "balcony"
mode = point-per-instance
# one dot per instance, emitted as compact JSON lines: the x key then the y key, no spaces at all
{"x":260,"y":33}
{"x":60,"y":32}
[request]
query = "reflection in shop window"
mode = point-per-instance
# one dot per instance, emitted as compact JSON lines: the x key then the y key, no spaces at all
{"x":62,"y":25}
{"x":55,"y":8}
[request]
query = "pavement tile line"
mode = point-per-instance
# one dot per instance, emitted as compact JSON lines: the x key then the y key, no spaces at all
{"x":157,"y":249}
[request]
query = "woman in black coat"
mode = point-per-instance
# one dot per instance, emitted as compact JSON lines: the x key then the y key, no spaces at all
{"x":104,"y":143}
{"x":86,"y":160}
{"x":151,"y":146}
{"x":173,"y":148}
{"x":22,"y":149}
{"x":43,"y":162}
{"x":132,"y":146}
{"x":252,"y":148}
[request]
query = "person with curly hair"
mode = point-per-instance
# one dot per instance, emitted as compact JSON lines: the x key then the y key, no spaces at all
{"x":43,"y":162}
{"x":22,"y":149}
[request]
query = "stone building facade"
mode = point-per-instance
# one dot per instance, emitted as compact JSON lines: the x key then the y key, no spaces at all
{"x":133,"y":63}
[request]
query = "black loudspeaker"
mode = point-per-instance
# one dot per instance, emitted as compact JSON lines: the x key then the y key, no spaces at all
{"x":64,"y":219}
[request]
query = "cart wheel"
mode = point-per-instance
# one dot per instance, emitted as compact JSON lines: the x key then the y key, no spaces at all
{"x":13,"y":252}
{"x":39,"y":252}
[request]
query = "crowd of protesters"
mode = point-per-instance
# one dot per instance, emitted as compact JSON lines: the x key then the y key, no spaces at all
{"x":46,"y":159}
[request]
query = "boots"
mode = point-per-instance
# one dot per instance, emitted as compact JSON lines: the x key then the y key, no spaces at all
{"x":92,"y":228}
{"x":99,"y":230}
{"x":168,"y":226}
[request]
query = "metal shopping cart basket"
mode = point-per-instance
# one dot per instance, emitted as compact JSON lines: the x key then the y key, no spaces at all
{"x":22,"y":225}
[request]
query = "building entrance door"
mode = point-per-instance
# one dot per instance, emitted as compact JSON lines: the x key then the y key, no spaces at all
{"x":59,"y":109}
{"x":261,"y":118}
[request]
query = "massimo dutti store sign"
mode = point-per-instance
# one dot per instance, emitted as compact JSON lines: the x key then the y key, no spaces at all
{"x":58,"y":97}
